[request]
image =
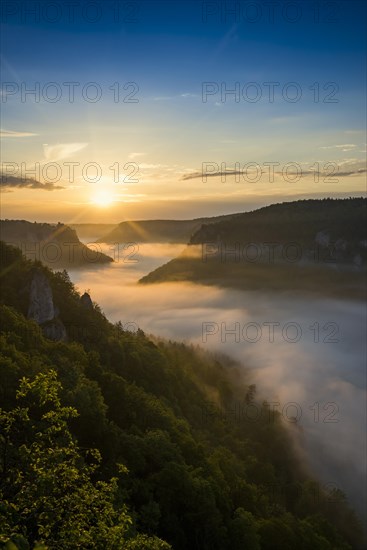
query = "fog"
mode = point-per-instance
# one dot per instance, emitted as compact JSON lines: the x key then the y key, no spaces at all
{"x":306,"y":355}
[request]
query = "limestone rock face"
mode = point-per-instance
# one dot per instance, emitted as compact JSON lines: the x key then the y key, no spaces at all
{"x":42,"y":310}
{"x":55,"y":330}
{"x":41,"y":306}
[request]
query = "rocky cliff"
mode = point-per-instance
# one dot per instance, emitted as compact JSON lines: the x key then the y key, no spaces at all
{"x":42,"y":309}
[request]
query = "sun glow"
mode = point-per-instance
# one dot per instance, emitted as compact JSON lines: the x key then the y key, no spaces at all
{"x":102,"y":198}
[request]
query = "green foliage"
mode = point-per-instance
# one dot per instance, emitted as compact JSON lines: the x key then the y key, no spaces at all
{"x":197,"y":476}
{"x":243,"y":531}
{"x":48,"y":493}
{"x":142,"y":542}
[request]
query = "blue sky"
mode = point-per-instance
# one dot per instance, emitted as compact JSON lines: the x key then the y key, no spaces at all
{"x":168,"y":50}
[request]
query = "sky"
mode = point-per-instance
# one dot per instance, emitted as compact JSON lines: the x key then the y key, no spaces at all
{"x":148,"y":109}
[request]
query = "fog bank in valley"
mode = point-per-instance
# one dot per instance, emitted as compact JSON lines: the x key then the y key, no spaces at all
{"x":306,"y":354}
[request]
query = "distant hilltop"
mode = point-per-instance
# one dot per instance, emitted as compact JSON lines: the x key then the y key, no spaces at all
{"x":157,"y":231}
{"x":335,"y":223}
{"x":55,"y":245}
{"x":314,"y":245}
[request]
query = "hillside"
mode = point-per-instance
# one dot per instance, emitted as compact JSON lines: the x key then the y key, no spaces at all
{"x":160,"y":415}
{"x":154,"y":231}
{"x":341,"y":222}
{"x":313,"y":245}
{"x":54,"y":245}
{"x":92,"y":231}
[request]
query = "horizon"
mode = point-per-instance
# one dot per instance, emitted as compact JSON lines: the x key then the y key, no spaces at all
{"x":183,"y":193}
{"x":235,"y":212}
{"x":183,"y":111}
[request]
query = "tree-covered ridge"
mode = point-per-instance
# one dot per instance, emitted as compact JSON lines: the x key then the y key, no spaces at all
{"x":299,"y":221}
{"x":55,"y":245}
{"x":310,"y":245}
{"x":156,"y":231}
{"x":196,"y":477}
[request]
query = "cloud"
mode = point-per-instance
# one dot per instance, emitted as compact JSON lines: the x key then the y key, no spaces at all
{"x":189,"y":95}
{"x":345,"y":147}
{"x":61,"y":150}
{"x":339,"y":146}
{"x":353,"y":173}
{"x":194,"y":175}
{"x":9,"y":182}
{"x":12,"y":134}
{"x":340,"y":174}
{"x":136,"y":155}
{"x":145,"y":165}
{"x":186,"y":95}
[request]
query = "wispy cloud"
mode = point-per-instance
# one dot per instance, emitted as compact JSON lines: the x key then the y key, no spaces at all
{"x":7,"y":183}
{"x":145,"y":165}
{"x":61,"y":150}
{"x":136,"y":155}
{"x":348,"y":173}
{"x":193,"y":175}
{"x":189,"y":95}
{"x":186,"y":95}
{"x":344,"y":147}
{"x":15,"y":134}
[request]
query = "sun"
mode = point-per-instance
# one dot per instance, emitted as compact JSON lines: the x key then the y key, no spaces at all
{"x":102,"y":198}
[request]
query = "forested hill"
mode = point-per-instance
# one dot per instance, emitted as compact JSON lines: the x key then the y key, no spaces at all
{"x":309,"y":245}
{"x":340,"y":222}
{"x":92,"y":231}
{"x":157,"y":231}
{"x":54,"y":245}
{"x":179,"y":455}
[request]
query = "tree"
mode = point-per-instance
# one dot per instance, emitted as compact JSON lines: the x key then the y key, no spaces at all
{"x":243,"y":531}
{"x":46,"y":484}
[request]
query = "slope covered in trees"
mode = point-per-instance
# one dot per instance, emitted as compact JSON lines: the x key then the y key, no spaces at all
{"x":157,"y":231}
{"x":312,"y":245}
{"x":155,"y":451}
{"x":298,"y":221}
{"x":54,"y":245}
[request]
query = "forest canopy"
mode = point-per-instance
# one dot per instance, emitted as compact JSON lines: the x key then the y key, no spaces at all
{"x":112,"y":439}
